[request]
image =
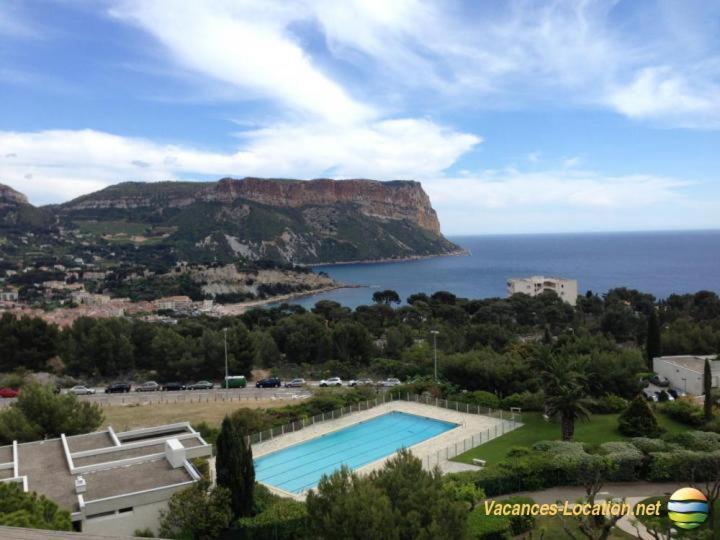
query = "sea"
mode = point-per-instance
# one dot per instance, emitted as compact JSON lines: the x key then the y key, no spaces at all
{"x":659,"y":263}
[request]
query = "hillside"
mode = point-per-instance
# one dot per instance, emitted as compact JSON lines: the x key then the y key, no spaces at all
{"x":252,"y":219}
{"x":16,"y":213}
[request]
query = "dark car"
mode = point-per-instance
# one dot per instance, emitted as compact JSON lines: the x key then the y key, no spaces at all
{"x":659,"y":381}
{"x":271,"y":382}
{"x":201,"y":385}
{"x":173,"y":386}
{"x":117,"y":388}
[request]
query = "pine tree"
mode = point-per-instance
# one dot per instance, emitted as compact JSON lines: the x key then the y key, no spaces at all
{"x":707,"y":388}
{"x":653,"y":345}
{"x":234,"y":466}
{"x":639,"y":420}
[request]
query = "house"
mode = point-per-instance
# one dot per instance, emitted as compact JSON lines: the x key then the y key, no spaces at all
{"x":9,"y":295}
{"x":112,"y":483}
{"x":566,"y":289}
{"x":686,"y":372}
{"x":173,"y":303}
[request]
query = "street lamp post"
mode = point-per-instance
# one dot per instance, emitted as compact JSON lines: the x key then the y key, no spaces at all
{"x":225,"y":330}
{"x":435,"y":333}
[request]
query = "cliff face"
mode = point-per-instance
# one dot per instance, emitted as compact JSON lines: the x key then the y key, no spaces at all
{"x":10,"y":197}
{"x":398,"y":200}
{"x":294,"y":221}
{"x":387,"y":200}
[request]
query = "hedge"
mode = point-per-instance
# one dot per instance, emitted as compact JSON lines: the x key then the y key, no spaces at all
{"x":684,"y":466}
{"x":286,"y":519}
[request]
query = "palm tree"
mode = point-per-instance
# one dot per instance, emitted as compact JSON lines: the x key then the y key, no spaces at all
{"x":565,"y":393}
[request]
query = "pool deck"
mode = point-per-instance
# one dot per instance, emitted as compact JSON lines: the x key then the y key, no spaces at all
{"x":468,"y":425}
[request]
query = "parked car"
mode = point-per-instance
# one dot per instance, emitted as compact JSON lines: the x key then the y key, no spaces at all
{"x":173,"y":386}
{"x":676,"y":393}
{"x":81,"y":390}
{"x":9,"y":392}
{"x":332,"y":381}
{"x":201,"y":385}
{"x":295,"y":383}
{"x":659,"y":381}
{"x":361,"y":382}
{"x":270,"y":382}
{"x":118,"y":387}
{"x":148,"y":386}
{"x":389,"y":382}
{"x":235,"y":381}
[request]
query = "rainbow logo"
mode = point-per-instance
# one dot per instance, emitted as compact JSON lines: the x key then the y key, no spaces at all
{"x":688,"y":508}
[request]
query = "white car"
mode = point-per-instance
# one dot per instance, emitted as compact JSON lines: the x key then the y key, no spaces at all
{"x":332,"y":381}
{"x":390,"y":381}
{"x":295,"y":383}
{"x":81,"y":390}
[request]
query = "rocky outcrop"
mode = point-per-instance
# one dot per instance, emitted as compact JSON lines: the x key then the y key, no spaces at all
{"x":386,"y":200}
{"x":396,"y":200}
{"x":10,"y":197}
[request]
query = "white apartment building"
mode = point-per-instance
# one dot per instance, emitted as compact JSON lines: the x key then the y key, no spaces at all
{"x":566,"y":289}
{"x":112,"y":483}
{"x":686,"y":372}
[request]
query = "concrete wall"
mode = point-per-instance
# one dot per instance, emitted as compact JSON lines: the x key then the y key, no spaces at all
{"x":125,"y":524}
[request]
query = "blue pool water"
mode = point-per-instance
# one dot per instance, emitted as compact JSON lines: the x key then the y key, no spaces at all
{"x":300,"y":467}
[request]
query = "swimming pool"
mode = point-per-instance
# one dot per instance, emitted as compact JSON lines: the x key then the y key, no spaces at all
{"x":300,"y":467}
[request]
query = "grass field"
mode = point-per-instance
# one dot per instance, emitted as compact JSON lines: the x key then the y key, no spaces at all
{"x":601,"y":428}
{"x":124,"y":417}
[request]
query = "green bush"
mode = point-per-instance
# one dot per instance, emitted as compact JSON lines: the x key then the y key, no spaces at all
{"x":684,"y":411}
{"x":647,"y":445}
{"x":481,"y":526}
{"x":701,"y":441}
{"x":521,"y":524}
{"x":285,"y":519}
{"x":608,"y":404}
{"x":712,"y":425}
{"x":479,"y":398}
{"x":21,"y":509}
{"x":527,"y":401}
{"x":626,"y":459}
{"x":638,"y":420}
{"x":683,"y":466}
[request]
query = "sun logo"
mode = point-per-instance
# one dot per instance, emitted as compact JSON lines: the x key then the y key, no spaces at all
{"x":688,"y":508}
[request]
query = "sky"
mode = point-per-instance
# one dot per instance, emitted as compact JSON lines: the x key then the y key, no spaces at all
{"x":516,"y":116}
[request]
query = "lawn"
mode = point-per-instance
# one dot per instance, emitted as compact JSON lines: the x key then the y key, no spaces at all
{"x":601,"y":428}
{"x":125,"y":417}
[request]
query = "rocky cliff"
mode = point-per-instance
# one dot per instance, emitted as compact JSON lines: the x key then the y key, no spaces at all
{"x":294,"y":221}
{"x":397,"y":200}
{"x":10,"y":197}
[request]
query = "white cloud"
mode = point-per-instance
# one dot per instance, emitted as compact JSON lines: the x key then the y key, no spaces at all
{"x":245,"y":44}
{"x":65,"y":164}
{"x":555,"y":200}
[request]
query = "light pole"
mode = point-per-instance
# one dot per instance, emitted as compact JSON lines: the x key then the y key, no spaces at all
{"x":225,"y":330}
{"x":684,"y":380}
{"x":435,"y":334}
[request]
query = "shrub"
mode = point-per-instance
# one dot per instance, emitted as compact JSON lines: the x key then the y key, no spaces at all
{"x":21,"y":509}
{"x":713,"y":425}
{"x":626,"y":461}
{"x":285,"y":519}
{"x":701,"y":441}
{"x":683,"y":466}
{"x":608,"y":404}
{"x":684,"y":410}
{"x":527,"y":401}
{"x":479,"y":398}
{"x":647,"y":445}
{"x":521,"y":524}
{"x":481,"y":526}
{"x":638,"y":420}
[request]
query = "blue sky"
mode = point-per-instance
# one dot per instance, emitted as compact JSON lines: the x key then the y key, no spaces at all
{"x":516,"y":116}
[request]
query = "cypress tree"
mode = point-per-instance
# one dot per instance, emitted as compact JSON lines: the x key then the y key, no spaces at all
{"x":639,"y":420}
{"x":234,"y":467}
{"x":653,"y":344}
{"x":707,"y":388}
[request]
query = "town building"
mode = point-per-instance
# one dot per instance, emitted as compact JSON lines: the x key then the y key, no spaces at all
{"x":112,"y":483}
{"x":566,"y":289}
{"x":173,"y":303}
{"x":685,"y":372}
{"x":9,"y":295}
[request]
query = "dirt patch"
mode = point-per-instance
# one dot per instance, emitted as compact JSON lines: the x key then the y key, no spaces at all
{"x":123,"y":418}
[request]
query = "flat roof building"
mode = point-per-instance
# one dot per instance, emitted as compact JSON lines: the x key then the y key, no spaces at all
{"x":566,"y":289}
{"x":112,"y":483}
{"x":685,"y":372}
